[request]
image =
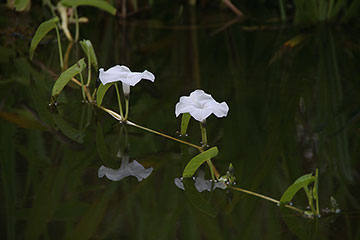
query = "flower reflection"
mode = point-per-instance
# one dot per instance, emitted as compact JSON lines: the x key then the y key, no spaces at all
{"x":201,"y":105}
{"x":124,"y":75}
{"x":127,"y":169}
{"x":201,"y":184}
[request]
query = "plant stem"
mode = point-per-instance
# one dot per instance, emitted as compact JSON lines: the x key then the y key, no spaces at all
{"x":204,"y":138}
{"x":89,"y":68}
{"x":310,"y":198}
{"x":52,"y":7}
{"x":111,"y":112}
{"x":213,"y":170}
{"x":127,"y":97}
{"x":203,"y":134}
{"x":211,"y":166}
{"x":316,"y":186}
{"x":119,"y":101}
{"x":76,"y":25}
{"x":90,"y":98}
{"x":67,"y":54}
{"x":82,"y":86}
{"x":60,"y":50}
{"x":119,"y":118}
{"x":267,"y":198}
{"x":164,"y":135}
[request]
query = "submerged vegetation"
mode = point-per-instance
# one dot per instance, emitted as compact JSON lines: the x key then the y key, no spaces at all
{"x":80,"y":76}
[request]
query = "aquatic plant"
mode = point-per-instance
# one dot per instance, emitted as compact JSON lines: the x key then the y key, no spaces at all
{"x":67,"y":13}
{"x":198,"y":105}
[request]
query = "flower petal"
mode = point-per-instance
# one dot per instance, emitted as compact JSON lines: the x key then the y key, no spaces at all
{"x":126,"y":88}
{"x":125,"y":69}
{"x":113,"y":74}
{"x":200,"y":105}
{"x":200,"y":114}
{"x":148,"y":75}
{"x":137,"y":170}
{"x":123,"y":74}
{"x":183,"y":108}
{"x":197,"y":94}
{"x":133,"y":78}
{"x":113,"y":174}
{"x":179,"y":183}
{"x":219,"y":109}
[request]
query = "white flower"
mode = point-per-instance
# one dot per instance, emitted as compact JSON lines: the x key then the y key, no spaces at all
{"x":201,"y":184}
{"x":201,"y":105}
{"x":123,"y":74}
{"x":127,"y":169}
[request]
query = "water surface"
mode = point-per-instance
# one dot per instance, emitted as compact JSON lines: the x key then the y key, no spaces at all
{"x":294,"y":106}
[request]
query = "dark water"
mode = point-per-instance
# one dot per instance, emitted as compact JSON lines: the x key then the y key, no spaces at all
{"x":294,"y":107}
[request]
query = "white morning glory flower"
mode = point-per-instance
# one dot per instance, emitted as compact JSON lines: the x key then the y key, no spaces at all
{"x":125,"y":75}
{"x":200,"y":105}
{"x":127,"y":169}
{"x":201,"y":184}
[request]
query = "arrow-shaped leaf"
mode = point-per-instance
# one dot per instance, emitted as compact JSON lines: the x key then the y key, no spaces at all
{"x":199,"y":159}
{"x":102,"y":89}
{"x":66,"y":76}
{"x":90,"y":53}
{"x":40,"y":33}
{"x":300,"y":183}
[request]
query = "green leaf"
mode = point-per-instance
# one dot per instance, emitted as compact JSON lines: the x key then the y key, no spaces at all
{"x":40,"y":33}
{"x":94,"y":3}
{"x":20,"y":5}
{"x":102,"y":89}
{"x":316,"y":185}
{"x":66,"y":76}
{"x":301,"y":182}
{"x":185,"y":123}
{"x":197,"y":199}
{"x":90,"y":53}
{"x":199,"y":159}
